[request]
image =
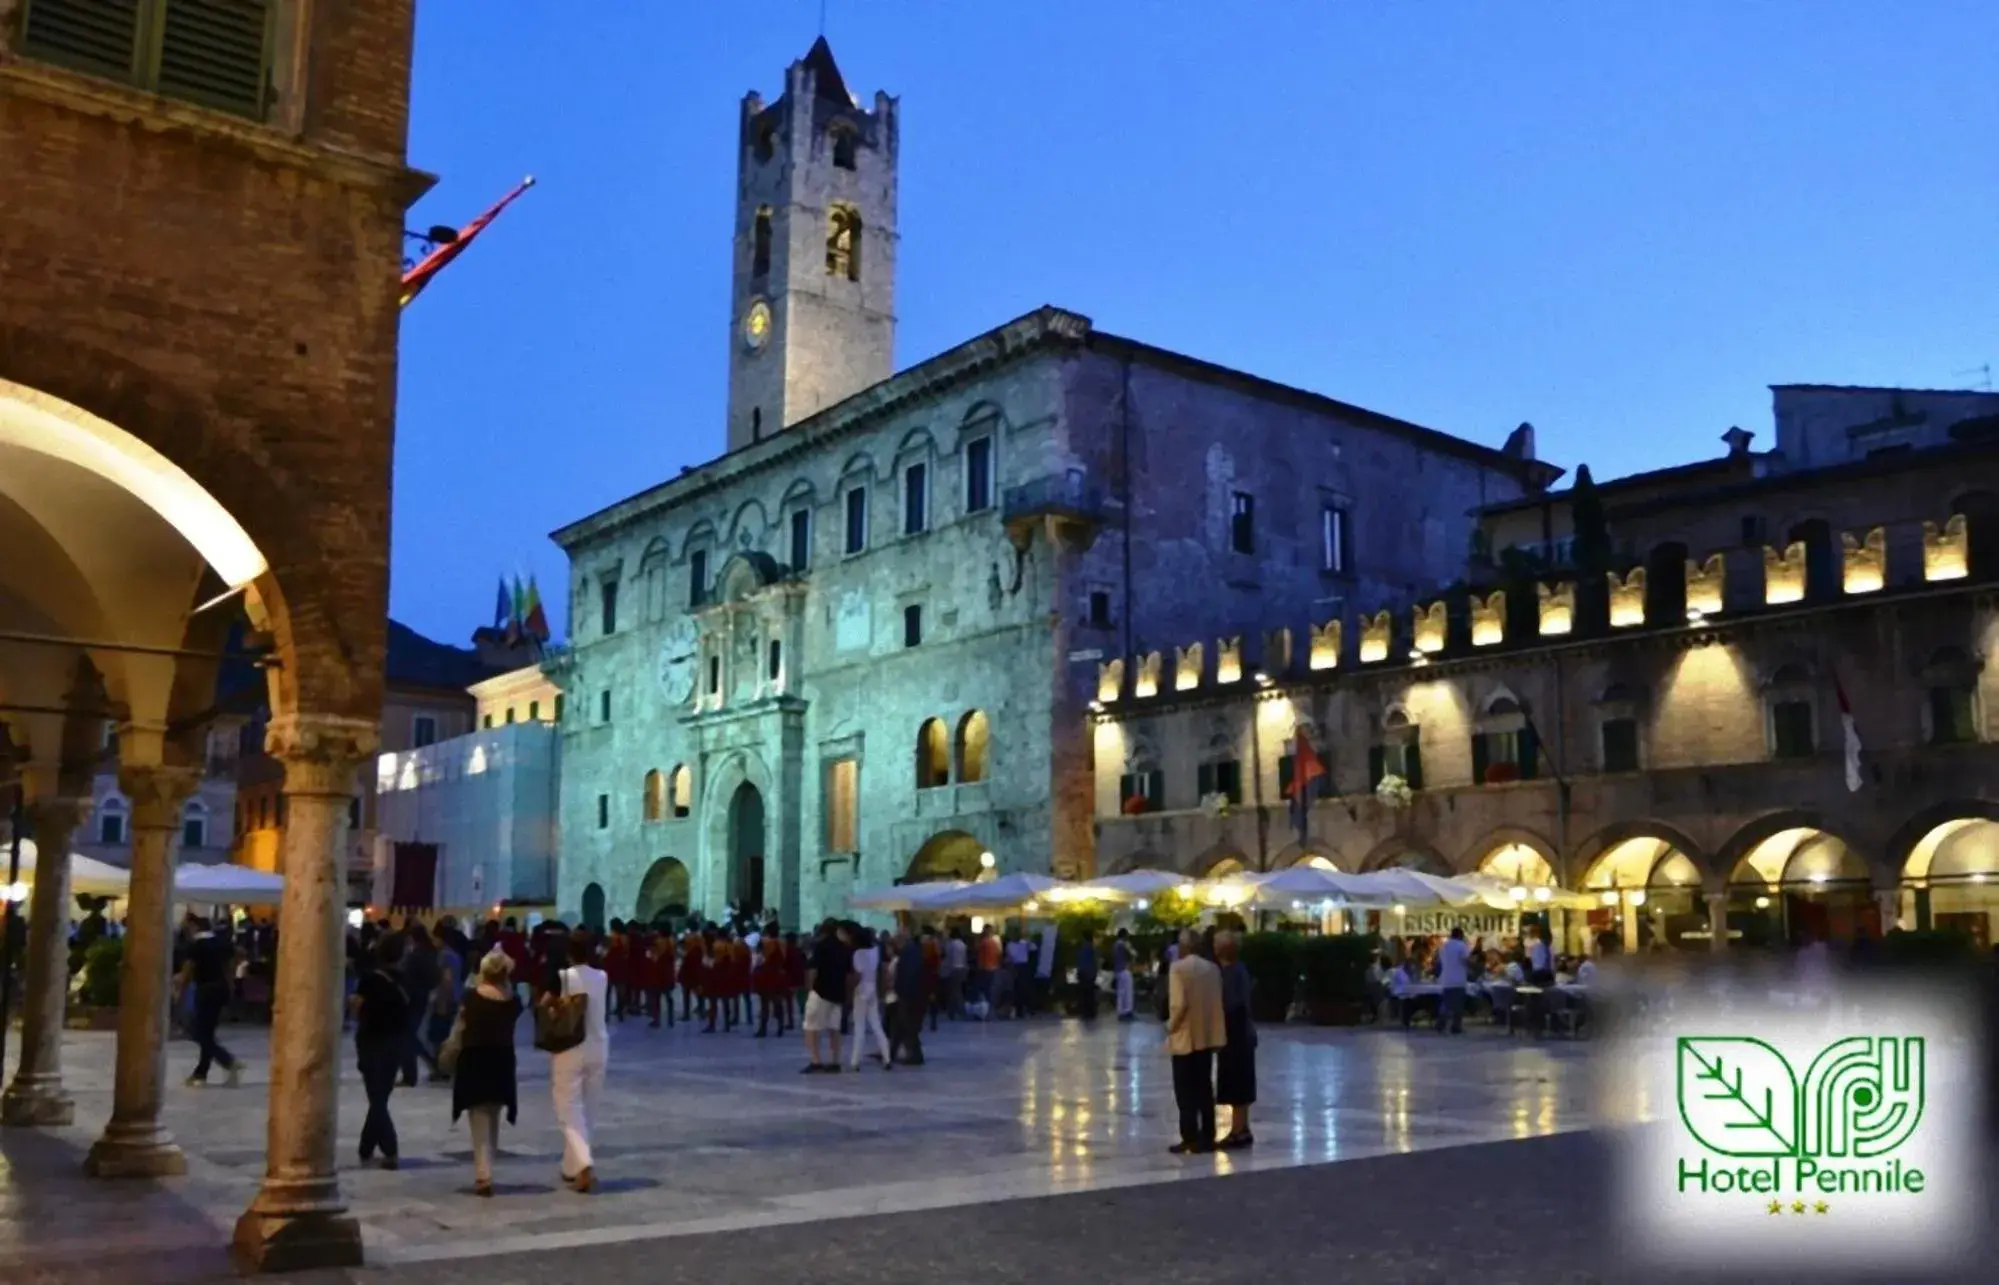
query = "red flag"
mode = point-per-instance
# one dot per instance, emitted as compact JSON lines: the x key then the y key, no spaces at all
{"x":536,"y":623}
{"x":1305,"y":766}
{"x":433,"y":263}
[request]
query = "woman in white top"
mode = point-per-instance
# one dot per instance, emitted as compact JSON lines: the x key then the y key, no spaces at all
{"x":576,"y":1076}
{"x":867,"y":1001}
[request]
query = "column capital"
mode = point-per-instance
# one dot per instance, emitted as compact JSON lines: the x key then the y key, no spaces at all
{"x":156,"y":793}
{"x":321,"y":752}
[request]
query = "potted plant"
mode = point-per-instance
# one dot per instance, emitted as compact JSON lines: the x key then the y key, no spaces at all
{"x":1332,"y":976}
{"x":1501,"y":773}
{"x":97,"y":986}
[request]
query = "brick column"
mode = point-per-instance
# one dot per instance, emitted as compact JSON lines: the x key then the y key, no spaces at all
{"x":36,"y":1096}
{"x":1717,"y":921}
{"x":135,"y":1144}
{"x":298,"y":1220}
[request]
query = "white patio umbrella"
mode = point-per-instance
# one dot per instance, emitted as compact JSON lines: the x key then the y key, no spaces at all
{"x":1134,"y":884}
{"x":87,"y":877}
{"x":1008,"y":892}
{"x":906,"y":896}
{"x":1414,"y":887}
{"x":1498,"y":893}
{"x":1312,"y":883}
{"x":227,"y":885}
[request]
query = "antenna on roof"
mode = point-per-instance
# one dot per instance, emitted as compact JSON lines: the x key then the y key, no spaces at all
{"x":822,"y":17}
{"x":1984,"y":374}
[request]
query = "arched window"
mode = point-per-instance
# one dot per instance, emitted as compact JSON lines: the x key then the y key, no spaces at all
{"x":973,"y":733}
{"x":652,"y":576}
{"x":1793,"y":713}
{"x":111,"y":821}
{"x":194,"y":824}
{"x":760,"y":243}
{"x":844,"y":147}
{"x":655,"y":795}
{"x":683,"y":790}
{"x":933,"y":755}
{"x":1950,"y":684}
{"x":843,"y":243}
{"x":1502,"y":743}
{"x":1398,"y":752}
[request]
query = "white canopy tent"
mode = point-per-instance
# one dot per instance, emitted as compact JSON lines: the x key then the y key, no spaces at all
{"x":907,"y":896}
{"x":1133,"y":885}
{"x":230,"y":885}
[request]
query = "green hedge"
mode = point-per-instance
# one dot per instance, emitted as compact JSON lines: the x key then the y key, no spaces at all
{"x":1333,"y":969}
{"x":100,"y":971}
{"x":1272,"y":960}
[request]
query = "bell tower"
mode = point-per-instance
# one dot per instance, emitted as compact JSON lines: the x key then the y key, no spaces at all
{"x":812,"y":309}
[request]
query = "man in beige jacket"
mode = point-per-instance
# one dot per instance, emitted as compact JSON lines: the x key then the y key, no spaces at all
{"x":1194,"y":1030}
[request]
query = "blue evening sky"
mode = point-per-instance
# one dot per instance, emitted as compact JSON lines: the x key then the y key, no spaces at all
{"x":1619,"y":221}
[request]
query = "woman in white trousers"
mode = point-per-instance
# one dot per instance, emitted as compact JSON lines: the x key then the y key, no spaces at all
{"x":576,"y":1076}
{"x":867,"y":1001}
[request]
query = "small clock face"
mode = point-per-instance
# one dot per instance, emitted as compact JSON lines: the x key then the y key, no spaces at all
{"x":756,"y":326}
{"x":676,"y":660}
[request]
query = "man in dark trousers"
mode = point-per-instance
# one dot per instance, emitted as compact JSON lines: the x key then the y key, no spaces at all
{"x":419,"y":978}
{"x":211,"y":957}
{"x":912,"y":993}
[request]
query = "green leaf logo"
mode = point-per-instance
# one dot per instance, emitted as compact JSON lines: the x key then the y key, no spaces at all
{"x":1738,"y":1096}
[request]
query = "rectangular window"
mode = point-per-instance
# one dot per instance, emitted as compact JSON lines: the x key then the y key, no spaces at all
{"x":1149,"y":786}
{"x":978,"y":474}
{"x":912,"y":625}
{"x":1242,"y":523}
{"x":1403,"y":759}
{"x":1100,"y":609}
{"x":603,"y":707}
{"x":1951,"y":720}
{"x":423,"y":731}
{"x":801,"y":539}
{"x":714,"y":675}
{"x":1791,"y":730}
{"x":214,"y":54}
{"x":1499,"y":757}
{"x":603,"y":812}
{"x":534,"y":711}
{"x":1223,"y":778}
{"x":857,"y":519}
{"x":608,"y":594}
{"x":915,"y":499}
{"x":697,"y":577}
{"x":776,"y":660}
{"x":1333,"y":539}
{"x":193,"y":832}
{"x":487,"y":721}
{"x":1620,"y":745}
{"x":111,"y":828}
{"x":843,"y":791}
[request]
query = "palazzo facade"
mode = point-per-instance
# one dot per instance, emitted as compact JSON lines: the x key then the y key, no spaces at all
{"x":1667,"y":734}
{"x":860,"y":646}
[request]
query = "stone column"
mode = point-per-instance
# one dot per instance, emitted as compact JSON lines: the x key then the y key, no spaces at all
{"x":298,"y":1220}
{"x":1717,"y":921}
{"x":36,"y":1096}
{"x":1890,"y":902}
{"x":1628,"y":923}
{"x":135,"y":1144}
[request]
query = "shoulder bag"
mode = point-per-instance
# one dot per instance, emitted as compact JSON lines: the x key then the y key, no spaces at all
{"x":559,"y":1021}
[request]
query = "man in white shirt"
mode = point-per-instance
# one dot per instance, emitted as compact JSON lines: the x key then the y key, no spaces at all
{"x":1451,"y":957}
{"x":1019,"y":960}
{"x":1540,"y":964}
{"x":956,"y":963}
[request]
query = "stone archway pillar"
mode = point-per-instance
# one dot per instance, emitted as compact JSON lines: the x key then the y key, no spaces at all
{"x":1889,"y":901}
{"x":135,"y":1144}
{"x":1717,"y":921}
{"x":298,"y":1220}
{"x":36,"y":1097}
{"x":1628,"y":918}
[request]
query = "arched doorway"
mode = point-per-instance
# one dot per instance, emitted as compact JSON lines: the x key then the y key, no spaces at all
{"x":1796,"y":886}
{"x":1648,"y":891}
{"x":746,"y":849}
{"x":663,"y":893}
{"x":1950,"y":881}
{"x":593,"y":907}
{"x":949,"y":854}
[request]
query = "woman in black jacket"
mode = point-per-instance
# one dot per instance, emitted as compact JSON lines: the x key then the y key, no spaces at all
{"x":482,"y":1081}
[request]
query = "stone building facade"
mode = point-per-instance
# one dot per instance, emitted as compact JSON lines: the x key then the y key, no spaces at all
{"x":1672,"y":744}
{"x":861,"y":648}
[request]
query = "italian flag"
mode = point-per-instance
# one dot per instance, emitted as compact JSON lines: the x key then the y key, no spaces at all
{"x":1850,"y":734}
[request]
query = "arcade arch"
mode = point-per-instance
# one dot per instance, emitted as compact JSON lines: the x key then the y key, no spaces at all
{"x":948,"y":854}
{"x":1647,"y":889}
{"x":1796,"y":885}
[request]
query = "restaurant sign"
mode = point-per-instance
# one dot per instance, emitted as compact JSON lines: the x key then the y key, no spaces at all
{"x":1438,"y":923}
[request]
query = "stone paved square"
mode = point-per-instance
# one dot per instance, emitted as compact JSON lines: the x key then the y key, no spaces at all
{"x":705,"y":1133}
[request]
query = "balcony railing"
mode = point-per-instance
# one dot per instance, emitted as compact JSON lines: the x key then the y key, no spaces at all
{"x":1070,"y":494}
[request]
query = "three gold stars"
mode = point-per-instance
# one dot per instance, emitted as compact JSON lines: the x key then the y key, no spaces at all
{"x":1776,"y":1207}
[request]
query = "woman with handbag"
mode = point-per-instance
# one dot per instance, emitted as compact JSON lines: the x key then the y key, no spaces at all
{"x":479,"y":1058}
{"x":570,"y":1026}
